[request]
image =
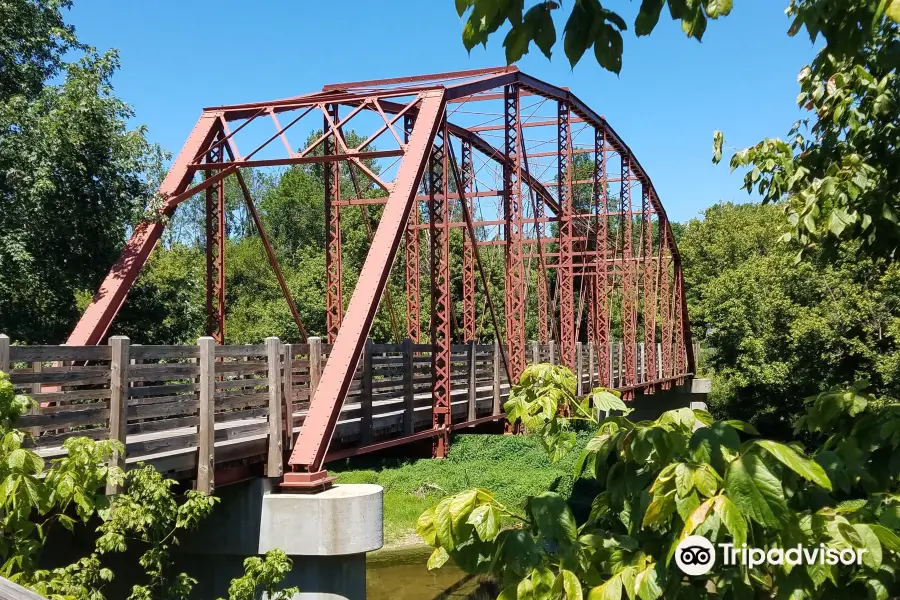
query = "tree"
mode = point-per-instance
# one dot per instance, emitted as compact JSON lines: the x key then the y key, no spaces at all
{"x":838,"y":170}
{"x":776,"y":331}
{"x":589,"y":24}
{"x":658,"y":482}
{"x":73,"y":176}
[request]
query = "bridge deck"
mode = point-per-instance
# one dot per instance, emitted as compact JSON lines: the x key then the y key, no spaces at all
{"x":152,"y":398}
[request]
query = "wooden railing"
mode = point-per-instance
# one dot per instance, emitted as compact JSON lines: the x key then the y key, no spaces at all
{"x":193,"y":410}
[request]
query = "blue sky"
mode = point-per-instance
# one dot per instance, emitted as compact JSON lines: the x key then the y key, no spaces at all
{"x":178,"y":57}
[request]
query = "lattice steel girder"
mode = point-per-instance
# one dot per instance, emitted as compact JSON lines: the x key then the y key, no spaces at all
{"x":439,"y":217}
{"x":604,"y":251}
{"x":468,"y":259}
{"x":566,"y":275}
{"x":649,"y":291}
{"x":629,"y":303}
{"x":665,"y":306}
{"x":315,"y":436}
{"x":413,"y":288}
{"x":215,"y":252}
{"x":334,"y":295}
{"x":512,"y":214}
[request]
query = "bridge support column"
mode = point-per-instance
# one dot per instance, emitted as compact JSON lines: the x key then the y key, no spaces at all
{"x":327,"y":535}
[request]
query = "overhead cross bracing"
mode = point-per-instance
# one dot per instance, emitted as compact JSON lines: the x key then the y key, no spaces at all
{"x":514,"y":165}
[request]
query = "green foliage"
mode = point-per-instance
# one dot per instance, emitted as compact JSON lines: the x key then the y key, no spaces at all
{"x":148,"y":512}
{"x":589,"y":24}
{"x":684,"y":474}
{"x":777,"y":331}
{"x":837,"y":168}
{"x":263,"y":575}
{"x":76,"y":174}
{"x":496,"y":462}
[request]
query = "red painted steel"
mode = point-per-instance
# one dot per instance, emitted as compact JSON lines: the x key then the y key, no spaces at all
{"x":468,"y":259}
{"x":441,"y":304}
{"x":215,"y":251}
{"x":649,"y":290}
{"x":629,"y":302}
{"x":607,"y":256}
{"x":566,"y":273}
{"x":334,"y":295}
{"x":315,"y":436}
{"x":512,"y":214}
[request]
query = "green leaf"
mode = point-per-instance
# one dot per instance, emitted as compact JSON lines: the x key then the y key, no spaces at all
{"x":610,"y":590}
{"x":553,"y":517}
{"x":648,"y":16}
{"x":437,"y":559}
{"x":462,"y":6}
{"x":647,"y":582}
{"x":872,"y":557}
{"x":541,"y":29}
{"x":608,"y":46}
{"x":443,"y":524}
{"x":606,"y":401}
{"x":461,"y":506}
{"x":754,"y":490}
{"x":804,"y":467}
{"x":888,"y":538}
{"x":717,"y":8}
{"x":425,"y":527}
{"x":659,"y":510}
{"x":718,"y":141}
{"x":577,"y":34}
{"x":742,"y":426}
{"x":570,"y":585}
{"x":893,"y":10}
{"x":486,"y":522}
{"x":706,"y":480}
{"x":732,"y":518}
{"x":516,"y":43}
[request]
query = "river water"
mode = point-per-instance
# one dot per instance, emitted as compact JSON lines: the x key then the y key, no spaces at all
{"x":402,"y":575}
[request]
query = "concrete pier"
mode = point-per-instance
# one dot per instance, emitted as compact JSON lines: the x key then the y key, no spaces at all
{"x":327,"y":535}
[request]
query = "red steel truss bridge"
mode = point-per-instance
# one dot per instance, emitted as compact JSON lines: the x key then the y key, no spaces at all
{"x":507,"y":160}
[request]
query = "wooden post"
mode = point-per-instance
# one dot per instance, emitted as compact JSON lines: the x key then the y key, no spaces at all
{"x":642,"y":364}
{"x":315,"y":365}
{"x":118,"y":401}
{"x":659,"y":365}
{"x":591,"y":349}
{"x":206,"y":435}
{"x":496,"y":409}
{"x":696,"y":357}
{"x":473,"y":376}
{"x":273,"y":355}
{"x":409,"y":422}
{"x":621,"y":364}
{"x":552,"y":352}
{"x":287,"y":393}
{"x":365,"y":395}
{"x":579,"y":370}
{"x":535,"y":352}
{"x":4,"y":353}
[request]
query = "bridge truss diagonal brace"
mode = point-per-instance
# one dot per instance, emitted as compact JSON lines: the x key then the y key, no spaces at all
{"x":315,"y":435}
{"x":94,"y":323}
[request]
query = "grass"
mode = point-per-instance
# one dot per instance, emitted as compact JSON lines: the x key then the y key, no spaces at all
{"x":513,"y":467}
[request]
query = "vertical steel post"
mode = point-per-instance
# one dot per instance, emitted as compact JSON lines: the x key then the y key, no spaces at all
{"x":413,"y":289}
{"x":680,"y":324}
{"x":629,"y":304}
{"x":512,"y":215}
{"x":215,"y":252}
{"x":665,"y":304}
{"x":604,"y":256}
{"x":439,"y":227}
{"x":648,"y":257}
{"x":333,"y":286}
{"x":566,"y":274}
{"x":468,"y":258}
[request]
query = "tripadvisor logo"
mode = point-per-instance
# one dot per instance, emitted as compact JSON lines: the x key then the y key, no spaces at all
{"x":695,"y":555}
